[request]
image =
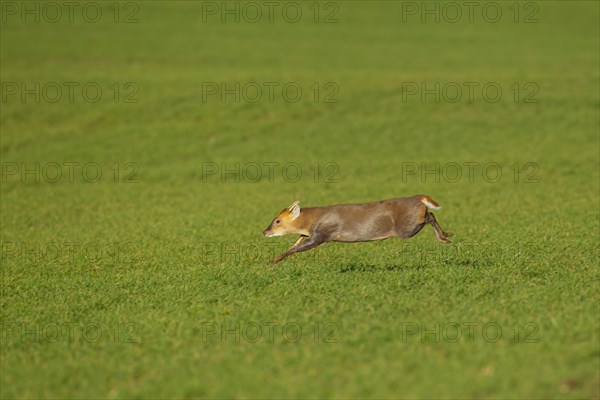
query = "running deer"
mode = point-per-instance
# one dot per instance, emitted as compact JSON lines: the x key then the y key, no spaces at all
{"x":401,"y":217}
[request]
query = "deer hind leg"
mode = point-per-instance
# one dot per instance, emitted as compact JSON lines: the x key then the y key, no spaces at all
{"x":440,"y":235}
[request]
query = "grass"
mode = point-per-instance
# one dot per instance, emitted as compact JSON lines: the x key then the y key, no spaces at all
{"x":158,"y":287}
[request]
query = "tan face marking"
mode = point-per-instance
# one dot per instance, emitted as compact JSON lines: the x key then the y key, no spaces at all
{"x":283,"y":223}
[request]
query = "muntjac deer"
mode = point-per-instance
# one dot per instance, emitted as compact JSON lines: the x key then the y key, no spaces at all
{"x":402,"y":217}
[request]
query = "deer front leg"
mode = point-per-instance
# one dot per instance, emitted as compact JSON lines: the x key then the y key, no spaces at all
{"x":300,"y":240}
{"x":302,"y":244}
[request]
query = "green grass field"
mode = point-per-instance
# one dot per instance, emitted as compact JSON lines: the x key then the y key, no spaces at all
{"x":133,"y":264}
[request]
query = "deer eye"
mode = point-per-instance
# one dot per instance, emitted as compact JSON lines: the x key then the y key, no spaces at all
{"x":278,"y":221}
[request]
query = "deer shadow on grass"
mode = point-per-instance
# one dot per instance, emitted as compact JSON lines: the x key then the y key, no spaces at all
{"x":414,"y":265}
{"x":368,"y":267}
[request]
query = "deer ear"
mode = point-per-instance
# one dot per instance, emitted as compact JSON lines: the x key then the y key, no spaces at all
{"x":294,"y":210}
